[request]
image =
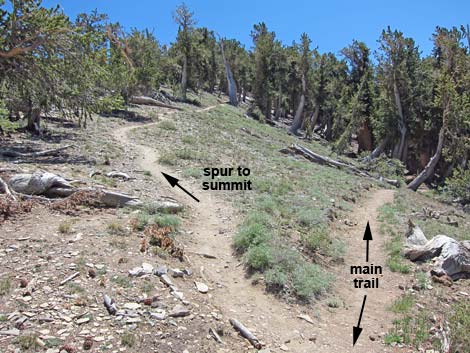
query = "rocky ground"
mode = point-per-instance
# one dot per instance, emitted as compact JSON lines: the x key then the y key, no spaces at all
{"x":59,"y":263}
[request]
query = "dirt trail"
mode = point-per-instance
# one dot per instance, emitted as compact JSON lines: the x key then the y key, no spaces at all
{"x":211,"y":225}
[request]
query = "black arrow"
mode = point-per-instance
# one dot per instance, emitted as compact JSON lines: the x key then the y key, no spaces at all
{"x":367,"y":236}
{"x":357,"y":329}
{"x":174,"y":182}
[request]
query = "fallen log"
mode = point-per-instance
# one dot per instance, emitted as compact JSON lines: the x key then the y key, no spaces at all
{"x":38,"y":183}
{"x":117,"y":199}
{"x":246,"y":333}
{"x":53,"y":186}
{"x":450,"y":257}
{"x":143,"y":100}
{"x":15,"y":154}
{"x":324,"y":160}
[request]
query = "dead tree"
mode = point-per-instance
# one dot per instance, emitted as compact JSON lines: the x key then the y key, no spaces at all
{"x":232,"y":86}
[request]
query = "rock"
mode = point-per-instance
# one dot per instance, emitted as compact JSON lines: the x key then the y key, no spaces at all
{"x":145,"y":269}
{"x":179,"y":311}
{"x":161,"y":270}
{"x":201,"y":287}
{"x":451,"y":257}
{"x":83,"y":320}
{"x":187,"y":272}
{"x":306,"y":318}
{"x":175,"y":273}
{"x":12,"y":332}
{"x":158,"y":316}
{"x":284,"y":348}
{"x":163,"y":206}
{"x":414,"y":235}
{"x":178,"y":295}
{"x":166,"y":280}
{"x":132,"y":306}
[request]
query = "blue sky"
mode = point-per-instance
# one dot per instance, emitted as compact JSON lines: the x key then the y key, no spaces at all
{"x":332,"y":24}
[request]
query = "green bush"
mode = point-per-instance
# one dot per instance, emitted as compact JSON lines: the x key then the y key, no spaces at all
{"x":5,"y":124}
{"x":168,"y":221}
{"x":259,"y":257}
{"x":458,"y":186}
{"x":402,"y":305}
{"x":317,"y":239}
{"x":251,"y":235}
{"x":309,"y":280}
{"x":386,"y":167}
{"x":275,"y":278}
{"x":167,"y":125}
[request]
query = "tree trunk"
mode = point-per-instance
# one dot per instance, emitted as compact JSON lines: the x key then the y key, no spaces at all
{"x":232,"y":86}
{"x":399,"y":148}
{"x":379,"y":149}
{"x":316,"y":114}
{"x":268,"y":108}
{"x":297,"y":123}
{"x":429,"y":169}
{"x":278,"y":112}
{"x":34,"y":120}
{"x":184,"y":78}
{"x":329,"y":128}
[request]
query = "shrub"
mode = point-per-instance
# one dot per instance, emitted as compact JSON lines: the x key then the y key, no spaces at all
{"x":259,"y":257}
{"x":167,"y":125}
{"x":317,"y":239}
{"x":65,"y":227}
{"x":308,"y":217}
{"x":142,"y":220}
{"x":6,"y":125}
{"x":310,"y":280}
{"x":128,"y":340}
{"x":5,"y":286}
{"x":458,"y":186}
{"x":402,"y":305}
{"x":386,"y":167}
{"x":116,"y":228}
{"x":167,"y":220}
{"x":275,"y":278}
{"x":251,"y":235}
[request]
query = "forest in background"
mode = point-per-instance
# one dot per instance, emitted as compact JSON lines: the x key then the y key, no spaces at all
{"x":395,"y":102}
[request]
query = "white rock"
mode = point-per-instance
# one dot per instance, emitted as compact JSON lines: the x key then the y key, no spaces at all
{"x":201,"y":287}
{"x":132,"y":306}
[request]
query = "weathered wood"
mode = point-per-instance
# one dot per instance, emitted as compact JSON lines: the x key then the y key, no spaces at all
{"x":112,"y":174}
{"x":232,"y":86}
{"x":37,"y":183}
{"x":5,"y":189}
{"x":109,"y":304}
{"x":215,"y":335}
{"x":143,"y":100}
{"x":246,"y":333}
{"x":15,"y":154}
{"x":317,"y":158}
{"x":429,"y":168}
{"x":117,"y":199}
{"x":69,"y":278}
